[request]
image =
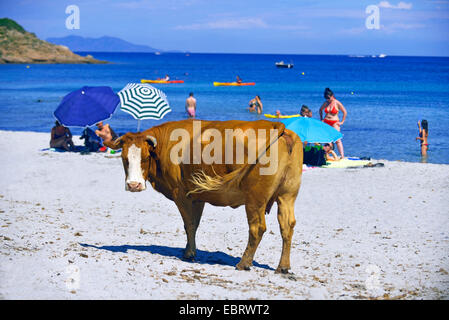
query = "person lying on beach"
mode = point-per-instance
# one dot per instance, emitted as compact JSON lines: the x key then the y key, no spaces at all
{"x":305,"y":111}
{"x":105,"y":132}
{"x":423,"y":134}
{"x":255,"y":105}
{"x":330,"y":153}
{"x":61,"y":137}
{"x":191,"y":105}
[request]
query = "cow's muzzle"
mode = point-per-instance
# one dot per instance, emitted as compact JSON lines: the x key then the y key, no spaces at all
{"x":135,"y":186}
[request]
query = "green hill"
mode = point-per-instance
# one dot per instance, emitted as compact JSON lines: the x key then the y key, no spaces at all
{"x":11,"y":24}
{"x":19,"y":46}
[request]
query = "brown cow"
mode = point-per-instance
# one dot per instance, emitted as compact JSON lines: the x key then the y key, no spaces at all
{"x":167,"y":156}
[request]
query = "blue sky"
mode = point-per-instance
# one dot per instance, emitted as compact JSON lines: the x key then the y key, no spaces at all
{"x":249,"y":26}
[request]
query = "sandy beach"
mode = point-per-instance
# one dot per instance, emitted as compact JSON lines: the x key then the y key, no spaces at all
{"x":68,"y":230}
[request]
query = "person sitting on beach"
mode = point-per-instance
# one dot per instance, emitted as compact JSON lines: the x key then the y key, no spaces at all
{"x":305,"y":111}
{"x":191,"y":105}
{"x":329,"y":152}
{"x":332,"y":107}
{"x":61,"y":137}
{"x":105,"y":132}
{"x":423,"y":134}
{"x":255,"y":105}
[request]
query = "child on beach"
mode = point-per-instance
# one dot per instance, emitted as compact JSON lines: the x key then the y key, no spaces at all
{"x":423,"y":134}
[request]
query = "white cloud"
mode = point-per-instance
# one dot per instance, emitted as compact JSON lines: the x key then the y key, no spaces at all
{"x":240,"y":24}
{"x":400,"y":5}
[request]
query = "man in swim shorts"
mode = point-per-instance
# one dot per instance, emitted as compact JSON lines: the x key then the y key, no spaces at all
{"x":191,"y":105}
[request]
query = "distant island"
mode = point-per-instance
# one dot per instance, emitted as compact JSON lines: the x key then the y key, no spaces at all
{"x":102,"y":44}
{"x":19,"y":46}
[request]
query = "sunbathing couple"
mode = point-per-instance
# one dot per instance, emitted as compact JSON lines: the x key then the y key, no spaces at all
{"x":61,"y":137}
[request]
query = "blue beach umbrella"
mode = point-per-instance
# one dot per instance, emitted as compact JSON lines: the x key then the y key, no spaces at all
{"x":312,"y":130}
{"x":87,"y":106}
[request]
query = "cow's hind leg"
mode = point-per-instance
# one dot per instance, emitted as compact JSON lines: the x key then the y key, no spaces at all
{"x":286,"y":218}
{"x":191,"y":212}
{"x":255,"y":214}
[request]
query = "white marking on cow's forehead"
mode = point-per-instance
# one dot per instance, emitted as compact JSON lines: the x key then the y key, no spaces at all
{"x":135,"y":172}
{"x":134,"y":153}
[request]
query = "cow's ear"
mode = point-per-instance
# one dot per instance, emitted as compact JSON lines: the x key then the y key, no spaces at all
{"x":114,"y":144}
{"x":152,"y":141}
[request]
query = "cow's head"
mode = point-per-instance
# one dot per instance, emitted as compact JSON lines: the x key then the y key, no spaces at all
{"x":136,"y":156}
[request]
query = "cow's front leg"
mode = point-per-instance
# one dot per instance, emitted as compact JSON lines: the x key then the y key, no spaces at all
{"x":191,"y":212}
{"x":255,"y":214}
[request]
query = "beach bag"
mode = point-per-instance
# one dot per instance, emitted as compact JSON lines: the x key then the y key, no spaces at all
{"x":314,"y":156}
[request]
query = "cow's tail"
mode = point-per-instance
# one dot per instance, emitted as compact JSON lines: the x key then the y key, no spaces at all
{"x":206,"y":183}
{"x":229,"y":182}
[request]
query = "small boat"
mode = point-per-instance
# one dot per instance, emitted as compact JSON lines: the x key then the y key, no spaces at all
{"x":282,"y":64}
{"x":234,"y":84}
{"x":161,"y":81}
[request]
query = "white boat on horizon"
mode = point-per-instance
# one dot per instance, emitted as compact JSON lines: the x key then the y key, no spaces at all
{"x":282,"y":64}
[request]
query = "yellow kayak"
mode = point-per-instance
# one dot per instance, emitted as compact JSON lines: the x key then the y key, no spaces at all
{"x":161,"y":81}
{"x":282,"y":116}
{"x":234,"y":84}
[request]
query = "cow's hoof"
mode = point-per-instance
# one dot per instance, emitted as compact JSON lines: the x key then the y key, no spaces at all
{"x":243,"y":266}
{"x":282,"y":270}
{"x":189,"y":255}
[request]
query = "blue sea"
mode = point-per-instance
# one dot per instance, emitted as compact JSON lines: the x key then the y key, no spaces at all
{"x":384,"y":97}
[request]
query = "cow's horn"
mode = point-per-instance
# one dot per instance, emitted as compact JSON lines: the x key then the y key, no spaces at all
{"x":114,"y":144}
{"x":153,"y":140}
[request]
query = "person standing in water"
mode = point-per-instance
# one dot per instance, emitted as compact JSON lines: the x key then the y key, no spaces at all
{"x":255,"y":105}
{"x":191,"y":105}
{"x":423,"y":134}
{"x":332,"y":107}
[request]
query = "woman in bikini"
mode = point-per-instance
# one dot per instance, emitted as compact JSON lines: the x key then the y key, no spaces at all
{"x":423,"y":133}
{"x":61,"y":137}
{"x":331,"y":107}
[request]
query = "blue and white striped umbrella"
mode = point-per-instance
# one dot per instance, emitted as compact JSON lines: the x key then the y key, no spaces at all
{"x":143,"y":101}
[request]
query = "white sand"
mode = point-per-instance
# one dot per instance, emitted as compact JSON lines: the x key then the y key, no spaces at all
{"x":360,"y":233}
